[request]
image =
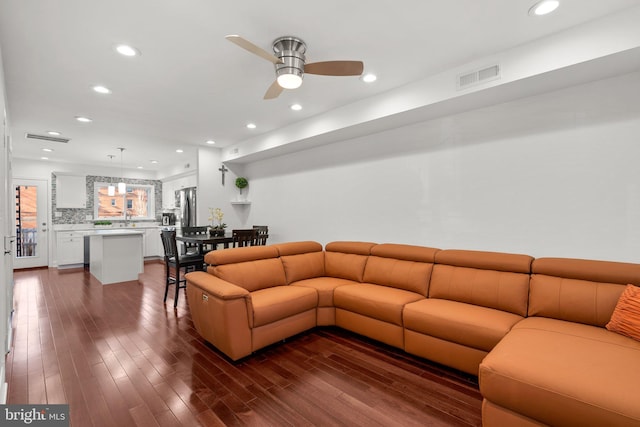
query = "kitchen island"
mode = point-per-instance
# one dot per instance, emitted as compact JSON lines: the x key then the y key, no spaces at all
{"x":116,"y":255}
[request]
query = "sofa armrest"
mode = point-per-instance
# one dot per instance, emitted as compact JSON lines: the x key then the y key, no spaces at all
{"x":219,"y":313}
{"x":215,"y":286}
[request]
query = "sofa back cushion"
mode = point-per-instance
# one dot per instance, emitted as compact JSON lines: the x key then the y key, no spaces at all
{"x":346,"y":260}
{"x":301,"y":260}
{"x":578,"y":290}
{"x":252,"y":275}
{"x":400,"y":266}
{"x":488,"y":279}
{"x":297,"y":248}
{"x":252,"y":268}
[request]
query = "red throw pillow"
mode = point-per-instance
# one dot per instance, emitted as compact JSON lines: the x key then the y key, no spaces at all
{"x":625,"y":319}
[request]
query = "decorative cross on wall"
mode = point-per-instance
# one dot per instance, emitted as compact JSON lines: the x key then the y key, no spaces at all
{"x":224,"y":170}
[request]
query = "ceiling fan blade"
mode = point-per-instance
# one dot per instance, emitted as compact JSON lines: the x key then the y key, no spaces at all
{"x":256,"y":50}
{"x":335,"y":68}
{"x":274,"y":91}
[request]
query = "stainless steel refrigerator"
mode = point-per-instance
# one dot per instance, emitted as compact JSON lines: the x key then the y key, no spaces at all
{"x":186,"y":200}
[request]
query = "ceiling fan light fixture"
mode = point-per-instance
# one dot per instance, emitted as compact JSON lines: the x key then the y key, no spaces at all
{"x":290,"y":63}
{"x":290,"y":81}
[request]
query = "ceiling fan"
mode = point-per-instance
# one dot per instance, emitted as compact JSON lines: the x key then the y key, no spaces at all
{"x":289,"y":61}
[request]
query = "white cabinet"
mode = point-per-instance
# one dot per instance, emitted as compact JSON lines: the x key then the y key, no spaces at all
{"x":71,"y":191}
{"x":170,"y":187}
{"x":168,"y":195}
{"x":189,"y":181}
{"x":152,"y":243}
{"x":69,"y":248}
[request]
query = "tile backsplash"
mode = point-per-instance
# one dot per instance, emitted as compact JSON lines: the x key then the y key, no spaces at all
{"x":79,"y":216}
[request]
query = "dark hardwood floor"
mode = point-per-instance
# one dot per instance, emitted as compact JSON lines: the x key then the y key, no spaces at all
{"x":120,"y":357}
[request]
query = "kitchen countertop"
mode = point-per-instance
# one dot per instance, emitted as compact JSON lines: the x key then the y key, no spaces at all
{"x":115,"y":226}
{"x":115,"y":232}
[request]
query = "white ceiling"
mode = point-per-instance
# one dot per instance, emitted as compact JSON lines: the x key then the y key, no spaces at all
{"x":190,"y":84}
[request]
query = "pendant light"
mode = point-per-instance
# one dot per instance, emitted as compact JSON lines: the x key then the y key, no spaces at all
{"x":111,"y":189}
{"x":122,"y":187}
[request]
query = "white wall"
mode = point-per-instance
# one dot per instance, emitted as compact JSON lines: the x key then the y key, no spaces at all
{"x":212,"y":194}
{"x":551,"y":175}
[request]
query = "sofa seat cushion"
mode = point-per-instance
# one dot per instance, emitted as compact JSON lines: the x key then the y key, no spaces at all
{"x":325,"y":287}
{"x":376,"y":301}
{"x":276,"y":303}
{"x":564,"y":373}
{"x":466,"y":324}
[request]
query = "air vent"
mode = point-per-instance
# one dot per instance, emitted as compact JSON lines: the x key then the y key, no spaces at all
{"x":477,"y":77}
{"x":47,"y":138}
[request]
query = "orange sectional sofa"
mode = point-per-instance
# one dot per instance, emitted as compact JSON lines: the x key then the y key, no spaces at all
{"x":531,"y":329}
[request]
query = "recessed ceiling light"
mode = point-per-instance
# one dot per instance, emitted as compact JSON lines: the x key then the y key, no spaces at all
{"x":127,"y":50}
{"x":251,"y":126}
{"x":179,"y":150}
{"x":140,"y":167}
{"x":211,"y":142}
{"x":83,"y":119}
{"x":154,"y":161}
{"x":296,"y":107}
{"x":44,"y":158}
{"x":101,"y":89}
{"x":369,"y":78}
{"x":54,"y":133}
{"x":48,"y":150}
{"x":543,"y":7}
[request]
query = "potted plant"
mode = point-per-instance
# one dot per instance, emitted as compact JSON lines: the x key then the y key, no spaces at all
{"x":102,"y":223}
{"x":241,"y":182}
{"x":217,"y":226}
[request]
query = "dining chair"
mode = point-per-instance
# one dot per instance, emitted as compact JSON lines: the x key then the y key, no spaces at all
{"x":193,"y":247}
{"x":176,"y":262}
{"x":242,"y":238}
{"x":263,"y":234}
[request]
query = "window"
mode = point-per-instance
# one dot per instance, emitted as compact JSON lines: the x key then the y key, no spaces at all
{"x":139,"y":200}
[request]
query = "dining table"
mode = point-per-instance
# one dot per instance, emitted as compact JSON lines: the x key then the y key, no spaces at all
{"x":200,"y":240}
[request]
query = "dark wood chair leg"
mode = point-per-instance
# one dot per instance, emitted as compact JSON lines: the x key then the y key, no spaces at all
{"x":175,"y":302}
{"x":166,"y":281}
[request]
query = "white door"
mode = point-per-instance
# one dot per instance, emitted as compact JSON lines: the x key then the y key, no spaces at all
{"x":30,"y":248}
